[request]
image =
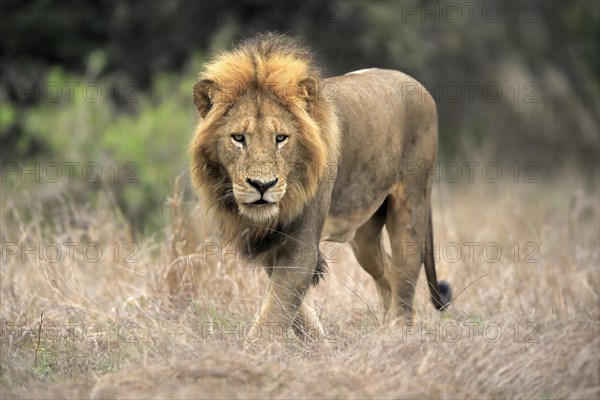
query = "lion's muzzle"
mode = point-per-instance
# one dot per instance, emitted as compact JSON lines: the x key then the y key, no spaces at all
{"x":261,"y":191}
{"x":258,"y":198}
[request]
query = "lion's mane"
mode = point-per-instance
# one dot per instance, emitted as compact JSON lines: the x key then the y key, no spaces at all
{"x":279,"y":68}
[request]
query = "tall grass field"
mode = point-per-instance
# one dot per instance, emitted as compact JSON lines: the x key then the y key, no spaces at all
{"x":92,"y":308}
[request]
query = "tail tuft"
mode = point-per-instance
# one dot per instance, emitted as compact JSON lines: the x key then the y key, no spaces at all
{"x":445,"y":292}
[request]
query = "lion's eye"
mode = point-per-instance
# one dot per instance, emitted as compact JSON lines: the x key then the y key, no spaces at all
{"x":280,"y":138}
{"x":238,"y":137}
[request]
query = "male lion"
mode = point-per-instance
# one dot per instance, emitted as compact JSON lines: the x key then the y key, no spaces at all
{"x":284,"y":159}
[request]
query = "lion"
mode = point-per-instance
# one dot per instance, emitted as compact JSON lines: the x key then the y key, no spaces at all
{"x":283,"y":159}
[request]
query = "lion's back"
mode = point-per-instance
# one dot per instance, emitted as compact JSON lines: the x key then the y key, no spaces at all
{"x":387,"y":121}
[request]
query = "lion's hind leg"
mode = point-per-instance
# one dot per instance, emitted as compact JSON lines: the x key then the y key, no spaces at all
{"x":406,"y":223}
{"x":368,"y":249}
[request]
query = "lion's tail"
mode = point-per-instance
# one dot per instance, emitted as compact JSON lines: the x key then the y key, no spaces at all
{"x":441,"y":292}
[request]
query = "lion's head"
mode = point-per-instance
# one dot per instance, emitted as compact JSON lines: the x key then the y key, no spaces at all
{"x":266,"y":136}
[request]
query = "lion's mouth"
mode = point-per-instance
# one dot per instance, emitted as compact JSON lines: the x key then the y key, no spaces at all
{"x":258,"y":202}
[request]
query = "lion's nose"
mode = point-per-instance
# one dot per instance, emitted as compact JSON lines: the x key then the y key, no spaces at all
{"x":262,"y":187}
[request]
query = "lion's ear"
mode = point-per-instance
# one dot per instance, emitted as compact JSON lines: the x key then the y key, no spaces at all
{"x":204,"y":91}
{"x":309,"y":91}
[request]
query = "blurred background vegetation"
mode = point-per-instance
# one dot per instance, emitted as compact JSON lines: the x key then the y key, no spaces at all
{"x":110,"y":82}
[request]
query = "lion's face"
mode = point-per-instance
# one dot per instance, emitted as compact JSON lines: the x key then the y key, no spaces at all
{"x":257,"y":146}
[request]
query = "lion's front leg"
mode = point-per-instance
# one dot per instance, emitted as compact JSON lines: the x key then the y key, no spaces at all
{"x":282,"y":307}
{"x":307,"y":326}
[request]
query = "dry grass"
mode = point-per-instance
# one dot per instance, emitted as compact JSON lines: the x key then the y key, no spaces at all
{"x":116,"y":329}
